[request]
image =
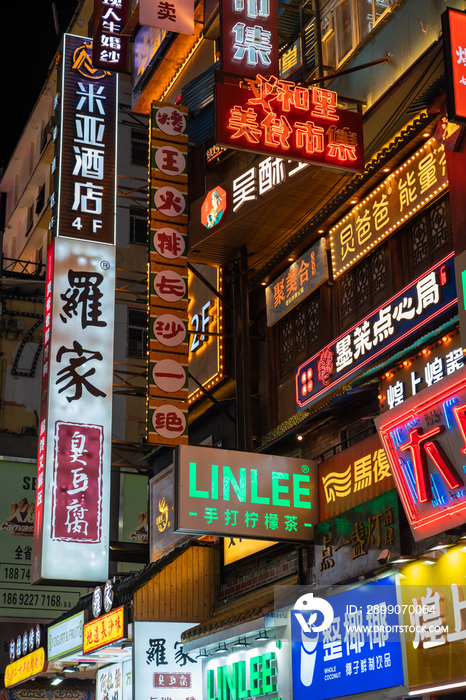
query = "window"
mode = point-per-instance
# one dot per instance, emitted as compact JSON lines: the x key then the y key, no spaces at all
{"x":428,"y":236}
{"x":138,"y":227}
{"x":299,"y":333}
{"x":40,"y":201}
{"x":137,"y":333}
{"x":139,"y":147}
{"x":363,"y":287}
{"x":30,"y":219}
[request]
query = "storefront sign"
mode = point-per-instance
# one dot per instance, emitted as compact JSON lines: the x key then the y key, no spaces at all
{"x":433,"y":594}
{"x":430,"y":366}
{"x":26,"y":667}
{"x":104,"y":630}
{"x":235,"y":548}
{"x":353,"y":476}
{"x":454,"y":53}
{"x":66,"y":637}
{"x":350,"y":544}
{"x":291,"y":60}
{"x":84,"y":172}
{"x":359,"y":652}
{"x":205,"y":317}
{"x":250,"y":37}
{"x":163,"y":538}
{"x":423,"y":300}
{"x":424,"y":439}
{"x":115,"y":682}
{"x":276,"y":117}
{"x":396,"y":200}
{"x":168,"y":278}
{"x":161,"y":667}
{"x":147,"y":44}
{"x":176,"y":16}
{"x":298,"y":280}
{"x":109,"y":46}
{"x":226,"y":493}
{"x":214,"y":207}
{"x":258,"y":672}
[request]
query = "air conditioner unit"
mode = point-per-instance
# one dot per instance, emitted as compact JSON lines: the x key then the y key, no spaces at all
{"x":11,"y":323}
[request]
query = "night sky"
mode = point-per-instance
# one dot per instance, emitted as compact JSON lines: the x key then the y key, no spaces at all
{"x":27,"y":49}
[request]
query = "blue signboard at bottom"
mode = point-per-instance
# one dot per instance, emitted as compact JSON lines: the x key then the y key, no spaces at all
{"x":359,"y":652}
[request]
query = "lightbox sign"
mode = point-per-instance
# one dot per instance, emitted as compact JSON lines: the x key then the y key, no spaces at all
{"x":291,"y":60}
{"x":244,"y":494}
{"x":147,"y":44}
{"x":115,"y":682}
{"x":348,"y":545}
{"x":262,"y":671}
{"x":421,"y":301}
{"x":168,"y":276}
{"x":71,"y":535}
{"x":298,"y":280}
{"x":26,"y":667}
{"x":277,"y":117}
{"x":424,"y":439}
{"x":84,"y":165}
{"x":105,"y":630}
{"x":250,"y":37}
{"x":394,"y":202}
{"x":359,"y":652}
{"x":163,"y":538}
{"x":454,"y":52}
{"x":65,"y":637}
{"x":162,"y":669}
{"x":110,"y":46}
{"x":176,"y":16}
{"x":430,"y":366}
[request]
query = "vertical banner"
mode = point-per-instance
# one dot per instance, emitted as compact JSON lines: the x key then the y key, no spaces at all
{"x":168,"y":278}
{"x":250,"y":37}
{"x":176,"y":16}
{"x":71,"y":535}
{"x":110,"y":48}
{"x":454,"y":54}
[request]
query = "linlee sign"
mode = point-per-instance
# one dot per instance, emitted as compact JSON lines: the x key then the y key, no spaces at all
{"x":241,"y":494}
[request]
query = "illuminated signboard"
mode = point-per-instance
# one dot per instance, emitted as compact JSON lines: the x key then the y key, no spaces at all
{"x":429,"y":366}
{"x":276,"y":117}
{"x":353,"y":476}
{"x":424,"y":439}
{"x":115,"y":682}
{"x":396,"y":200}
{"x":84,"y":172}
{"x":26,"y":667}
{"x":214,"y":207}
{"x":176,"y":16}
{"x":360,"y":651}
{"x":454,"y":52}
{"x":250,"y":37}
{"x":262,"y":671}
{"x":106,"y":629}
{"x":71,"y":535}
{"x":205,"y":314}
{"x":299,"y":280}
{"x":349,"y":545}
{"x":291,"y":60}
{"x":65,"y":637}
{"x":226,"y":493}
{"x":417,"y":304}
{"x":110,"y":47}
{"x":147,"y":43}
{"x":168,"y":278}
{"x":163,"y":538}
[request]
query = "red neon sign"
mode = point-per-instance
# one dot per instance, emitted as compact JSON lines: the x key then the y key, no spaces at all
{"x":425,"y":442}
{"x":454,"y":44}
{"x":277,"y":117}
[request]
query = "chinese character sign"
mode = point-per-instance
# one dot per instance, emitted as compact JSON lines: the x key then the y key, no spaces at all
{"x":454,"y":48}
{"x":84,"y":164}
{"x":397,"y":199}
{"x":299,"y":280}
{"x":425,"y":439}
{"x":110,"y":47}
{"x":359,"y":652}
{"x":277,"y":117}
{"x":417,"y":304}
{"x":349,"y":545}
{"x":168,"y":278}
{"x":242,"y":494}
{"x":172,"y":16}
{"x":104,"y":630}
{"x":161,"y":666}
{"x":71,"y":535}
{"x":250,"y":37}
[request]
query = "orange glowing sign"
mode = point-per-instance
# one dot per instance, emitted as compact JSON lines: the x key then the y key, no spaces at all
{"x":277,"y":117}
{"x":104,"y":630}
{"x":26,"y":667}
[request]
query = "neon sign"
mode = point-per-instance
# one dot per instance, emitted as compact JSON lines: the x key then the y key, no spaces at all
{"x":250,"y":36}
{"x":277,"y":117}
{"x":425,"y":442}
{"x":454,"y":50}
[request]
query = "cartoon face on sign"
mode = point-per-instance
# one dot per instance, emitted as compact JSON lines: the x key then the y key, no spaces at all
{"x":214,"y":207}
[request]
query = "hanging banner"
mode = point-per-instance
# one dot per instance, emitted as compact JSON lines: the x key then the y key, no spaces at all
{"x":454,"y":55}
{"x":279,"y":118}
{"x":168,"y":277}
{"x":109,"y":46}
{"x":176,"y":16}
